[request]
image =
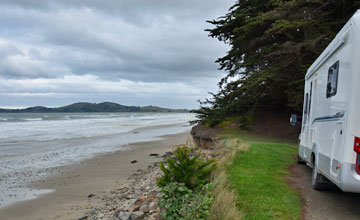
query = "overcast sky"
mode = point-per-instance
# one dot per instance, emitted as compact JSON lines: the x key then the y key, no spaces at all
{"x":133,"y":52}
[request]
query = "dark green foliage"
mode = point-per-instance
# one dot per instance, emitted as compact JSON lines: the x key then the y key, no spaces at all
{"x":193,"y":171}
{"x":180,"y":202}
{"x":272,"y":45}
{"x":151,"y":108}
{"x":100,"y":107}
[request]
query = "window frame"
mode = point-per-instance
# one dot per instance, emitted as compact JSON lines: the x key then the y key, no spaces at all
{"x":310,"y":96}
{"x":306,"y":104}
{"x":328,"y":93}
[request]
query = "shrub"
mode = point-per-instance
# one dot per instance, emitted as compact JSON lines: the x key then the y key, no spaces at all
{"x":180,"y":202}
{"x":193,"y":171}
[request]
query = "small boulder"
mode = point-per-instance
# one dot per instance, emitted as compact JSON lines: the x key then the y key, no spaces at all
{"x":91,"y":195}
{"x":153,"y":205}
{"x":123,"y":216}
{"x":137,"y":215}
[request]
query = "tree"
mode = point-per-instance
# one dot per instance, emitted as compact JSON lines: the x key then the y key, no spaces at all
{"x":272,"y":43}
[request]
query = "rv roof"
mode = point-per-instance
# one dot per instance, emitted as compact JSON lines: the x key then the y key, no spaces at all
{"x":340,"y":40}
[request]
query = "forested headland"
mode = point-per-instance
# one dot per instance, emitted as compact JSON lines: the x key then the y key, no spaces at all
{"x":272,"y":44}
{"x":92,"y":107}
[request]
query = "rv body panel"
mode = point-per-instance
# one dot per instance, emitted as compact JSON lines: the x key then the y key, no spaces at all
{"x":331,"y":109}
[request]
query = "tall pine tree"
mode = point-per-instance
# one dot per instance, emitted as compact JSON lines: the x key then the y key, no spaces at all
{"x":272,"y":43}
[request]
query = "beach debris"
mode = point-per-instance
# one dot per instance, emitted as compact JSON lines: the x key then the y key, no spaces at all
{"x":91,"y":195}
{"x":154,"y":155}
{"x":83,"y":218}
{"x":134,"y":161}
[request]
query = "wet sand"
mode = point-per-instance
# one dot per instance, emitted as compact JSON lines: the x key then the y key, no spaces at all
{"x":94,"y":177}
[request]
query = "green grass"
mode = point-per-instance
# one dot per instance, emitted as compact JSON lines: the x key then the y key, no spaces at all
{"x":258,"y":178}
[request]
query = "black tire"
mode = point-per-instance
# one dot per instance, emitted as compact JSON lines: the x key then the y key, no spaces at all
{"x":318,"y":181}
{"x":299,"y":160}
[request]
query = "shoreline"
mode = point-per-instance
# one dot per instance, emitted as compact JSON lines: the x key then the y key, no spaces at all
{"x":97,"y":176}
{"x":49,"y":159}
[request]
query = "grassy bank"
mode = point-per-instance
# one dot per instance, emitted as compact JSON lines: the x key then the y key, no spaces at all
{"x":255,"y":173}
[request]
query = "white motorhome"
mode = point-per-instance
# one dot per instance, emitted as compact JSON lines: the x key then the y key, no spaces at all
{"x":330,"y":133}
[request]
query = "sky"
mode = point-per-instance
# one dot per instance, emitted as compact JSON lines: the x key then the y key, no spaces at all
{"x":133,"y":52}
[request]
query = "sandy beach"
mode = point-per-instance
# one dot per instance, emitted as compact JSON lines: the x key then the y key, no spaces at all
{"x":96,"y":176}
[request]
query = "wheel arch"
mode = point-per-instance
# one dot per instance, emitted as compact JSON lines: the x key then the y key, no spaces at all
{"x":313,"y":157}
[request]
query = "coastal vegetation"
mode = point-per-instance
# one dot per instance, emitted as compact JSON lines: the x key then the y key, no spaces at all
{"x":185,"y":187}
{"x":250,"y":182}
{"x":182,"y":203}
{"x":92,"y":107}
{"x":272,"y":44}
{"x":191,"y":170}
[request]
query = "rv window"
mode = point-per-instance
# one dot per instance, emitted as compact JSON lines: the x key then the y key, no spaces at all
{"x":332,"y":80}
{"x":306,"y":103}
{"x":310,"y":98}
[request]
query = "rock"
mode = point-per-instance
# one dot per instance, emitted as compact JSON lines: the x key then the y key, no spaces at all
{"x":91,"y":195}
{"x":83,"y":218}
{"x":153,"y":205}
{"x":134,"y":208}
{"x":145,"y":207}
{"x":123,"y":216}
{"x":137,"y":215}
{"x":167,"y":154}
{"x":139,"y":199}
{"x":134,"y":161}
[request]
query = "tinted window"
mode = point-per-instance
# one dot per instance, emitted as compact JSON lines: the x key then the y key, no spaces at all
{"x":332,"y":80}
{"x":310,"y":98}
{"x":306,"y":103}
{"x":305,"y":109}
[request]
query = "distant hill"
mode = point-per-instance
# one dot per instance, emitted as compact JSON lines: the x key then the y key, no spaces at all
{"x":151,"y":108}
{"x":92,"y":107}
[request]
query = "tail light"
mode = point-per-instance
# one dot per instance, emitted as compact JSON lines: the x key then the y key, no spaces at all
{"x":357,"y":150}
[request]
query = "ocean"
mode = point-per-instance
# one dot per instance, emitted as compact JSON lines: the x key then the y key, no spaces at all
{"x":32,"y":145}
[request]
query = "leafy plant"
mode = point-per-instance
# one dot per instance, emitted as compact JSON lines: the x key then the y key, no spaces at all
{"x":193,"y":171}
{"x":180,"y":202}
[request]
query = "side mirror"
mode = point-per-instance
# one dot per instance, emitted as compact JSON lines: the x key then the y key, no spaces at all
{"x":293,"y":119}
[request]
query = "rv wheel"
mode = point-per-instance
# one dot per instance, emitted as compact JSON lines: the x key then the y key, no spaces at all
{"x":300,"y":161}
{"x":319,"y":182}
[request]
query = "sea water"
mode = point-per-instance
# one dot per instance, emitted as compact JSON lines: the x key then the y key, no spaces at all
{"x":32,"y":145}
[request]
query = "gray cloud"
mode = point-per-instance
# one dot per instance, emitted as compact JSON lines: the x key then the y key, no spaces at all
{"x":153,"y":42}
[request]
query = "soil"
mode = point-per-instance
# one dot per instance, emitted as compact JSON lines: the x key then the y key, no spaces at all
{"x":205,"y":137}
{"x":266,"y":125}
{"x":317,"y":205}
{"x":274,"y":125}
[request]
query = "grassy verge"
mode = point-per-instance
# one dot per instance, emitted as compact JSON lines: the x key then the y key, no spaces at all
{"x":255,"y":172}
